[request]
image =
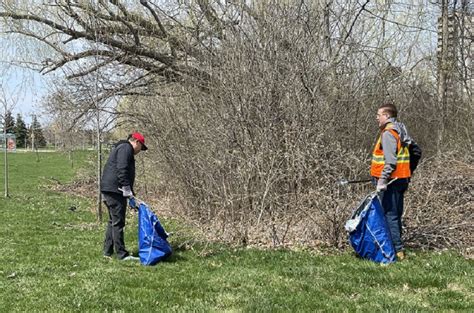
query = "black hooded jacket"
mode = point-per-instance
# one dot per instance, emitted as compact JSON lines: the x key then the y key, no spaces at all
{"x":119,"y":170}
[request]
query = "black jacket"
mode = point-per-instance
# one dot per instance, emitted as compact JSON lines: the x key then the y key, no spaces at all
{"x":119,"y":170}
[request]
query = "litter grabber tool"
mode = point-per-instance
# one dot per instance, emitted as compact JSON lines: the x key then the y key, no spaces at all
{"x":344,"y":182}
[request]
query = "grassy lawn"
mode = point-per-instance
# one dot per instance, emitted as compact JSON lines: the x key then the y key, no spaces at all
{"x":50,"y":260}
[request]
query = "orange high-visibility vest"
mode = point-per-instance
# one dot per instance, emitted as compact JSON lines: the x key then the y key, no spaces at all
{"x":402,"y":169}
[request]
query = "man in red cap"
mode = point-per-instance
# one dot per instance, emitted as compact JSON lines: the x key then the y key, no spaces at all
{"x":116,"y":186}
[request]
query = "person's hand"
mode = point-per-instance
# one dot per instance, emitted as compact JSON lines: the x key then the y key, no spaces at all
{"x":127,"y":192}
{"x":381,"y":185}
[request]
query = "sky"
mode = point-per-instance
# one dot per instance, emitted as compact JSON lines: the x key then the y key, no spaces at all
{"x":22,"y":88}
{"x":23,"y":91}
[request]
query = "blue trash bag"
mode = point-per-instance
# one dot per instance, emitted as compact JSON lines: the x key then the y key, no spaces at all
{"x":368,"y":231}
{"x":152,"y":244}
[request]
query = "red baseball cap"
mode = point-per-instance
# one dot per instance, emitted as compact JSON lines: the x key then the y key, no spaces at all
{"x":139,"y":137}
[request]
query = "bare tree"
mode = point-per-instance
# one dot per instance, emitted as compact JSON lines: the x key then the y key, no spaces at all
{"x":152,"y":44}
{"x":71,"y":111}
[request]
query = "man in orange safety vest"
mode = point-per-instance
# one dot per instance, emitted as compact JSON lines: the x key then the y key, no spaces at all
{"x":391,"y":170}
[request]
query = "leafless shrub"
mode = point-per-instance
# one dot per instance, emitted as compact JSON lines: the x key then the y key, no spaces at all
{"x":440,"y":206}
{"x":256,"y":158}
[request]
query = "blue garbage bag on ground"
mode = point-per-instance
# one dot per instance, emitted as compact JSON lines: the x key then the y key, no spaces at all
{"x":152,"y":244}
{"x":369,"y":234}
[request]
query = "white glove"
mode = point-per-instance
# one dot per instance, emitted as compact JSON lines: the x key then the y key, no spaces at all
{"x":127,"y":192}
{"x":381,"y":185}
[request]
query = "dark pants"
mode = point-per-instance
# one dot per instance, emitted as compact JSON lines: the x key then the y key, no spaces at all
{"x":392,"y":203}
{"x":114,"y":237}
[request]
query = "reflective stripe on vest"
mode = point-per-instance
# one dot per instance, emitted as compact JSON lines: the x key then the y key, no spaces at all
{"x":402,"y":169}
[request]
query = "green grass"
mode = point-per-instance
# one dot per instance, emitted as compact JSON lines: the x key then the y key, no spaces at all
{"x":50,"y":260}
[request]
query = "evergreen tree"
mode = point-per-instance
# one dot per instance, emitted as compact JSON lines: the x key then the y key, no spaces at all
{"x":37,"y":132}
{"x":9,"y":122}
{"x":20,"y":131}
